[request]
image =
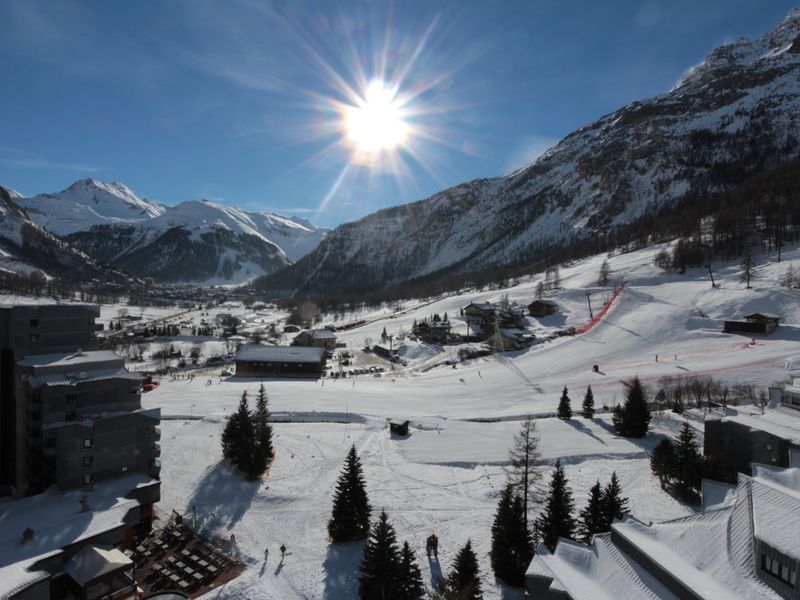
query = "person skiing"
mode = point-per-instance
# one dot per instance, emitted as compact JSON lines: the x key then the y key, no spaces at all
{"x":432,"y":545}
{"x":283,"y":551}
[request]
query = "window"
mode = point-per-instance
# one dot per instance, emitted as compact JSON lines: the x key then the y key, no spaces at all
{"x":88,"y":443}
{"x":87,"y":479}
{"x":71,"y":398}
{"x":34,"y":322}
{"x":87,"y":461}
{"x":69,"y":415}
{"x":34,"y":338}
{"x":769,"y":446}
{"x":782,"y":572}
{"x":125,"y":469}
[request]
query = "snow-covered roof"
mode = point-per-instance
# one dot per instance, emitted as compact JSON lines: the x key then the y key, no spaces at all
{"x":56,"y":379}
{"x":710,"y":553}
{"x":484,"y":306}
{"x":57,"y":521}
{"x":92,"y":562}
{"x":70,"y":359}
{"x":288,"y":354}
{"x":782,"y":423}
{"x":319,"y":334}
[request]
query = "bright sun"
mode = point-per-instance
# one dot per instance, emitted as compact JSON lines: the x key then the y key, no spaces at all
{"x":377,"y":123}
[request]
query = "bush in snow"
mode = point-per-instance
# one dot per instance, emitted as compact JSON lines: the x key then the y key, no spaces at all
{"x":350,"y":516}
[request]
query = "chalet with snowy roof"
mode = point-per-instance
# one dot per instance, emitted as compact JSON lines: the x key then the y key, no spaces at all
{"x":740,"y":440}
{"x":542,"y":308}
{"x":280,"y":361}
{"x":742,"y":546}
{"x":756,"y":323}
{"x":385,"y":351}
{"x":316,"y":338}
{"x":480,"y":313}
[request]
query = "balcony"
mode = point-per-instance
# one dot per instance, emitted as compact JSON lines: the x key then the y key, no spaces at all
{"x":155,"y":449}
{"x":155,"y":434}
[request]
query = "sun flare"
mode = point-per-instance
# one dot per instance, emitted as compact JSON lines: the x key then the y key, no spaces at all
{"x":377,"y":122}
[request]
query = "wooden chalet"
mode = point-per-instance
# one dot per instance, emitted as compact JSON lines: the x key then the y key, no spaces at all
{"x":756,"y":323}
{"x":542,"y":308}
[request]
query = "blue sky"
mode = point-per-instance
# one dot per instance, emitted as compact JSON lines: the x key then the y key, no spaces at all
{"x":241,"y":102}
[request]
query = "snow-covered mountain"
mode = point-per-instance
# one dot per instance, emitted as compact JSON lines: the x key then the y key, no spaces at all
{"x":734,"y":115}
{"x":26,"y":247}
{"x":196,"y":241}
{"x":201,"y":242}
{"x":86,"y":203}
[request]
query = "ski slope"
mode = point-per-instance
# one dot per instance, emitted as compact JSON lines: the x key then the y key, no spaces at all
{"x":446,"y":476}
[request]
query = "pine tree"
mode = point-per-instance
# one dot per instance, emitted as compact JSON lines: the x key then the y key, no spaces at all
{"x":564,"y":406}
{"x":238,"y":438}
{"x":263,"y":430}
{"x":383,"y":334}
{"x":592,"y":520}
{"x":687,"y":464}
{"x":463,"y":582}
{"x":605,"y":274}
{"x":614,"y":504}
{"x":588,"y":404}
{"x":409,"y":577}
{"x":381,"y":563}
{"x":524,"y":474}
{"x":662,"y":462}
{"x":350,"y":516}
{"x":556,"y":520}
{"x":748,"y":266}
{"x":539,"y":293}
{"x":512,"y":543}
{"x":633,"y":419}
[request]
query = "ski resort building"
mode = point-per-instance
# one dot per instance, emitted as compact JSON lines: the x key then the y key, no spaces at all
{"x":740,"y":440}
{"x":316,"y":338}
{"x":742,"y":546}
{"x":790,"y":394}
{"x":70,"y":415}
{"x":542,"y":308}
{"x":757,"y":323}
{"x":280,"y":361}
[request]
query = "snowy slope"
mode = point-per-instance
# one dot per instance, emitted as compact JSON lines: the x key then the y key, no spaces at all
{"x":446,"y":476}
{"x":86,"y":203}
{"x":737,"y":113}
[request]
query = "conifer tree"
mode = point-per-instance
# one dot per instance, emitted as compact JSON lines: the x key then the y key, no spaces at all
{"x":592,"y":520}
{"x":662,"y":462}
{"x":409,"y":577}
{"x":748,"y":267}
{"x":380,"y":566}
{"x":614,"y":504}
{"x":350,"y":516}
{"x":512,"y":543}
{"x":633,"y":419}
{"x":463,"y":582}
{"x":687,"y":463}
{"x":564,"y":406}
{"x":587,"y":411}
{"x":263,"y":430}
{"x":238,"y":440}
{"x":556,"y":520}
{"x":524,"y":474}
{"x":605,"y":273}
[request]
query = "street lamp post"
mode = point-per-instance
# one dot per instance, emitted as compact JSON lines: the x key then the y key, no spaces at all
{"x":588,"y":293}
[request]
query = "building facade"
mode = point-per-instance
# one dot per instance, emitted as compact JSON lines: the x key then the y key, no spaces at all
{"x":280,"y":361}
{"x":70,"y":415}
